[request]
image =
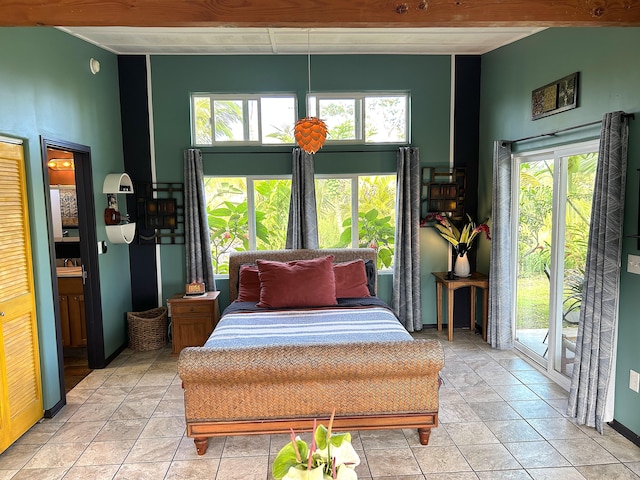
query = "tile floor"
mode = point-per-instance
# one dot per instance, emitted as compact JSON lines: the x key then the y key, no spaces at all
{"x":499,"y":419}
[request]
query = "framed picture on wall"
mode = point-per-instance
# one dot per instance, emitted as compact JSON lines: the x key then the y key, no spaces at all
{"x":555,"y":97}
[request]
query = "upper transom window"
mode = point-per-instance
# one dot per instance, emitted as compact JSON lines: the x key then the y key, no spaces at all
{"x":362,"y":118}
{"x":241,"y":119}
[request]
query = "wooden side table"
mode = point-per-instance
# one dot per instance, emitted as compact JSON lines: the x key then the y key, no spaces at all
{"x":476,"y":279}
{"x":192,"y":319}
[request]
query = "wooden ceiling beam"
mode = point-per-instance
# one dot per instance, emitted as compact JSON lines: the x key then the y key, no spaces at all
{"x":320,"y":13}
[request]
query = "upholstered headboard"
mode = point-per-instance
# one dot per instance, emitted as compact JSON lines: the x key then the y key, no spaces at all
{"x":340,"y":255}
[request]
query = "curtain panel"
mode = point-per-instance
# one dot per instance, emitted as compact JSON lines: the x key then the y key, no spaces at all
{"x":406,"y":297}
{"x":500,"y":325}
{"x":196,"y":225}
{"x":592,"y":383}
{"x":302,"y":229}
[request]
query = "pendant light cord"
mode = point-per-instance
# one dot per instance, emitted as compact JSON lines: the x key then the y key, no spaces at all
{"x":309,"y":60}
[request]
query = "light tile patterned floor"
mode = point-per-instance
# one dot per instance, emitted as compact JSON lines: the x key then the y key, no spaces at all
{"x":499,"y":419}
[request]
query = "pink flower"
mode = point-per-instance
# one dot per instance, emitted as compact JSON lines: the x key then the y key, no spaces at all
{"x":437,"y":217}
{"x":483,"y":227}
{"x":227,"y":235}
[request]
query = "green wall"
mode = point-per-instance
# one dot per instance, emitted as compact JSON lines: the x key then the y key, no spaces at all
{"x":46,"y":89}
{"x":427,"y":78}
{"x":609,"y":78}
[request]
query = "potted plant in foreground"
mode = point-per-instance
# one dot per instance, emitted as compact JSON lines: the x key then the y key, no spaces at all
{"x":330,"y":457}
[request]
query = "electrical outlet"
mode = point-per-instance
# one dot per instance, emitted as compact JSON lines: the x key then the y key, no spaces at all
{"x":634,"y":381}
{"x":633,"y":264}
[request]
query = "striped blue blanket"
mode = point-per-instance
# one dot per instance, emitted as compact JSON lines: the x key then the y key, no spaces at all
{"x":307,"y":326}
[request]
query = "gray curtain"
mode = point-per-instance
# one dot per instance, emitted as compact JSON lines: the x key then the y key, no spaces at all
{"x":591,"y":393}
{"x":196,"y":225}
{"x":406,"y":301}
{"x":500,"y":329}
{"x":302,"y":230}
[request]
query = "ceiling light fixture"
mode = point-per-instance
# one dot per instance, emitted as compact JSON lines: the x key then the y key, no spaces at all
{"x":61,"y":164}
{"x":310,"y":132}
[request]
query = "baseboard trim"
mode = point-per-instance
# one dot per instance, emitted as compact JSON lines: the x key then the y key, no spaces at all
{"x":114,"y":355}
{"x":625,"y":432}
{"x":51,"y":412}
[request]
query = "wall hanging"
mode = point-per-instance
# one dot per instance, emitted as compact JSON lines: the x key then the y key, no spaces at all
{"x":555,"y":97}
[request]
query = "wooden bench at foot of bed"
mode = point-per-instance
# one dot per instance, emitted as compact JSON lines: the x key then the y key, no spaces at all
{"x":259,"y":390}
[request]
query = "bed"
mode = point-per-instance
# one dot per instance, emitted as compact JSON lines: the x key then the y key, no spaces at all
{"x":258,"y":373}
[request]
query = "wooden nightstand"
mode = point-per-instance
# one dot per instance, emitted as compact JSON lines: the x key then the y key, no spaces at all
{"x":192,"y":319}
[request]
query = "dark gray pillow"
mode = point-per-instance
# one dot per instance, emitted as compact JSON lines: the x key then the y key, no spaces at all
{"x":370,"y":268}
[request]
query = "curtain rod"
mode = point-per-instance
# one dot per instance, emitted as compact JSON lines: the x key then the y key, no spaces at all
{"x":252,"y":152}
{"x":551,"y":134}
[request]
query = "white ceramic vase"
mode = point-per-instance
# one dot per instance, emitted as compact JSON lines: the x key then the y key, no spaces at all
{"x":462,"y":267}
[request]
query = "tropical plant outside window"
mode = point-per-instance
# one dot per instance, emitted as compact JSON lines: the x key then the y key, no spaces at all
{"x":242,"y":119}
{"x":362,"y":118}
{"x":535,"y":222}
{"x":374,"y":207}
{"x":239,"y":221}
{"x":235,"y":225}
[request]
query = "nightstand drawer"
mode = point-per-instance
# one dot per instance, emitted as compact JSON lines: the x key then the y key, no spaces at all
{"x":182,"y":308}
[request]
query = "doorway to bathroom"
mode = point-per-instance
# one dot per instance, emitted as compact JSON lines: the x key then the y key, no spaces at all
{"x":74,"y":264}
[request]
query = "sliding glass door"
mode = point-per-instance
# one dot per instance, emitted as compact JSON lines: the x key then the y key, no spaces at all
{"x":555,"y":190}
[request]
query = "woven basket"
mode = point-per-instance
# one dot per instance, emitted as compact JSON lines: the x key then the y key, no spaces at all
{"x":148,"y":329}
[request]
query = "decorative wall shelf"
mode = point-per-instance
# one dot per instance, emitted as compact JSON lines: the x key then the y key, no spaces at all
{"x":443,"y":191}
{"x":160,"y":213}
{"x":116,"y":183}
{"x":123,"y":233}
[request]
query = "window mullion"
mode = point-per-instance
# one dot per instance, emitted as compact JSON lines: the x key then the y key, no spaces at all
{"x":360,"y":120}
{"x":211,"y":121}
{"x":355,"y":222}
{"x":245,"y":119}
{"x":251,"y":213}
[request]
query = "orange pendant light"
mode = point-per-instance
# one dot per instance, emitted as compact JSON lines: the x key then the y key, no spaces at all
{"x":310,"y":133}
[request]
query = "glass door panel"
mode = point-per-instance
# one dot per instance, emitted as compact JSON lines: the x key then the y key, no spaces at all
{"x":534,"y":241}
{"x":580,"y":179}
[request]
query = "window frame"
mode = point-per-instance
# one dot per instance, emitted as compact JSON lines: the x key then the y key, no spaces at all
{"x":251,"y":207}
{"x":245,"y":98}
{"x":360,"y":121}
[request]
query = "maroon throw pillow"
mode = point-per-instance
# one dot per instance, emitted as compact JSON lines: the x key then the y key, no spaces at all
{"x":300,"y":283}
{"x":248,"y":284}
{"x":351,"y":279}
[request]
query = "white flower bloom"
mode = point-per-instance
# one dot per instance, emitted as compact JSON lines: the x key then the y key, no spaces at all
{"x":344,"y":455}
{"x":345,"y":473}
{"x":296,"y":474}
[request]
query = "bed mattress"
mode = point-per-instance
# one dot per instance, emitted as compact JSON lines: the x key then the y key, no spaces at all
{"x":341,"y":324}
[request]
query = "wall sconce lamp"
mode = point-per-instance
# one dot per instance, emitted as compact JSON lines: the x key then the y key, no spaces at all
{"x":94,"y":65}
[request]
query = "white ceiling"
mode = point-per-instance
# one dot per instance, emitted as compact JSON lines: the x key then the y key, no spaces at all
{"x":268,"y":41}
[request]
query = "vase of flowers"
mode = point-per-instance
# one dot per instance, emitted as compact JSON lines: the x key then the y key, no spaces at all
{"x":330,"y":457}
{"x":460,"y":239}
{"x":461,"y":268}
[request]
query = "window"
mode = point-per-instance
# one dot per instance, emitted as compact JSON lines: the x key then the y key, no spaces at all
{"x":242,"y":119}
{"x":371,"y":199}
{"x":251,"y":213}
{"x":246,"y":214}
{"x":360,"y":118}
